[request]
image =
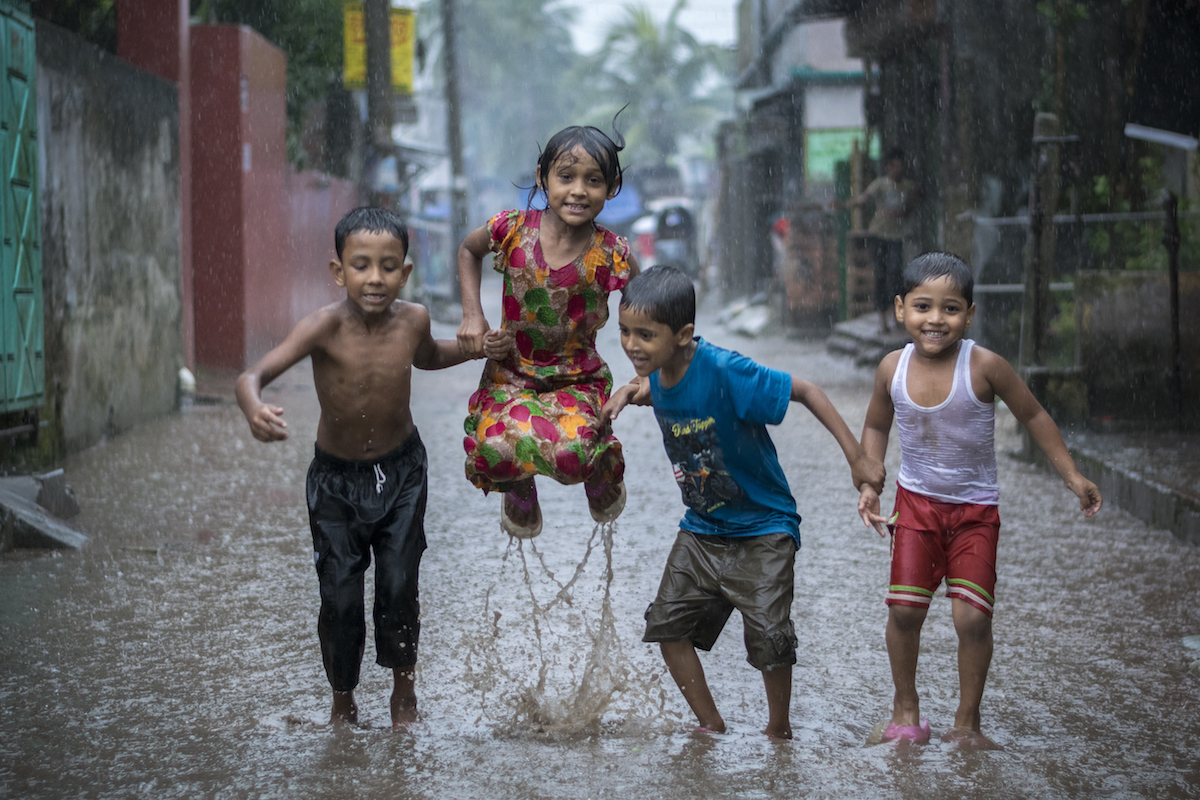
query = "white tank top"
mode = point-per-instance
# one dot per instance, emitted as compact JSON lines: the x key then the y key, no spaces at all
{"x":947,"y":451}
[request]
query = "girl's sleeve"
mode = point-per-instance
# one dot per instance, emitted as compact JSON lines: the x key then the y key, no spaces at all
{"x":616,"y":279}
{"x":505,"y":231}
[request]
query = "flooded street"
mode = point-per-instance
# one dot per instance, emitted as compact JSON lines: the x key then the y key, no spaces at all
{"x":176,"y":655}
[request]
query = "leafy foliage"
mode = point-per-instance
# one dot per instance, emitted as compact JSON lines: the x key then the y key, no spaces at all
{"x":668,"y":80}
{"x":94,"y":20}
{"x":309,"y":32}
{"x":522,"y":81}
{"x":515,"y":60}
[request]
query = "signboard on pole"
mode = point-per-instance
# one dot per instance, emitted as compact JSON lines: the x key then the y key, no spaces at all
{"x":354,"y":60}
{"x":404,"y":36}
{"x":824,"y":147}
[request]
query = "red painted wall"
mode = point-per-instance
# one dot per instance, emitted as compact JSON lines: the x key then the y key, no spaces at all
{"x":268,"y":285}
{"x":240,"y":215}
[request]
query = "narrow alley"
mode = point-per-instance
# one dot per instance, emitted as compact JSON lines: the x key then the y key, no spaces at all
{"x":176,"y":654}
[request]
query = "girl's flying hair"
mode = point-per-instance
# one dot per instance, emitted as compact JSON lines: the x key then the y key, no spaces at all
{"x":594,"y":142}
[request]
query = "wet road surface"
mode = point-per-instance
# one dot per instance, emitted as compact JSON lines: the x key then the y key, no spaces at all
{"x":176,"y":655}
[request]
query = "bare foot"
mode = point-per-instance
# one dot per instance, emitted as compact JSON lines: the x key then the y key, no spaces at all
{"x":783,"y":733}
{"x":404,"y":710}
{"x":404,"y":697}
{"x":345,"y":710}
{"x":968,"y":739}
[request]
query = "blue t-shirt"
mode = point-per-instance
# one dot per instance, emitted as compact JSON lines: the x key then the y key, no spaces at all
{"x":714,"y":428}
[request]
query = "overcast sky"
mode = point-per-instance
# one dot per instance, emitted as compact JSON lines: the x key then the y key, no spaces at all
{"x":709,"y":21}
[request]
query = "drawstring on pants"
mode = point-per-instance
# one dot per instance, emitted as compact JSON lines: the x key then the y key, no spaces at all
{"x":380,"y":480}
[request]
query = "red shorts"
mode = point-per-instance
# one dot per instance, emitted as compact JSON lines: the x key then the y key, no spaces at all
{"x":935,"y":540}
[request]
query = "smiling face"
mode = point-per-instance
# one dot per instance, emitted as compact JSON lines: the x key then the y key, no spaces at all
{"x":653,"y":345}
{"x":936,"y":315}
{"x":372,"y":270}
{"x":575,"y":188}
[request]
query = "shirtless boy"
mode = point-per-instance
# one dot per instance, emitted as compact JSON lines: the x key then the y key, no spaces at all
{"x":366,"y":486}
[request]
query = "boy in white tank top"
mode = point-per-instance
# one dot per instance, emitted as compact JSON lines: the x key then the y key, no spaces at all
{"x":941,"y":390}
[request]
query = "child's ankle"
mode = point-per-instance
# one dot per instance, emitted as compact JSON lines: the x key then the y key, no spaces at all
{"x":344,"y":708}
{"x":779,"y":731}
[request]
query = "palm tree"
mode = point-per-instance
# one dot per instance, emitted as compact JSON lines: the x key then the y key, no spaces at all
{"x":672,"y":84}
{"x":513,"y":58}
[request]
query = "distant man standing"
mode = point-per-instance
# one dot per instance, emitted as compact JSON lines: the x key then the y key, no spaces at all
{"x":895,"y":196}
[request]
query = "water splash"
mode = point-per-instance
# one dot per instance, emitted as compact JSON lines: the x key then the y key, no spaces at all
{"x":532,"y":678}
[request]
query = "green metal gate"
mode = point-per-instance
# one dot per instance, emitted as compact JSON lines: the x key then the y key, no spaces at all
{"x":22,"y":364}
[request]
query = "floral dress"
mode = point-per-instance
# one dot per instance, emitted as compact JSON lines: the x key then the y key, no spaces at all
{"x":537,"y":411}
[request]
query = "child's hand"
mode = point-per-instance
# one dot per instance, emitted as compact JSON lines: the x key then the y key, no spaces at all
{"x":868,"y":509}
{"x":636,"y":392}
{"x":498,"y":343}
{"x":267,"y":424}
{"x":471,"y":334}
{"x":868,"y":470}
{"x":1087,"y":492}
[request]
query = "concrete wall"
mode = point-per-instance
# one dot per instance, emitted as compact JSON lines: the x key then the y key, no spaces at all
{"x":154,"y":35}
{"x":1123,"y":329}
{"x":110,"y":232}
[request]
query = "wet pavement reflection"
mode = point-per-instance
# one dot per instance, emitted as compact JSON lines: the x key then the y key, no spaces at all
{"x":176,"y":654}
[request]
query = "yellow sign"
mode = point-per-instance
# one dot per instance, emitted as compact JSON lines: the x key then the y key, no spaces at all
{"x":404,"y":35}
{"x":354,"y":61}
{"x":354,"y":58}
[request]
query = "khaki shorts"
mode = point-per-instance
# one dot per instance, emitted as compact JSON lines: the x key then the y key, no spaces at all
{"x":708,"y":576}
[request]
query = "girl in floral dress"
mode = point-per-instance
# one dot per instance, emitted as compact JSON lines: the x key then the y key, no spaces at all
{"x":537,"y":410}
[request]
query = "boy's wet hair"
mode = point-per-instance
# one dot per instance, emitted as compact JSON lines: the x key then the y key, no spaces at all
{"x":595,"y":142}
{"x":894,"y":154}
{"x":371,"y":219}
{"x":931,"y":266}
{"x":665,"y":294}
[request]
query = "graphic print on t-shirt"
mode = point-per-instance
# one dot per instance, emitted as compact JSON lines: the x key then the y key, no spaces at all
{"x":699,"y":464}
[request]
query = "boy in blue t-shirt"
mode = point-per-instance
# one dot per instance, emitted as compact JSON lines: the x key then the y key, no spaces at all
{"x":737,"y":542}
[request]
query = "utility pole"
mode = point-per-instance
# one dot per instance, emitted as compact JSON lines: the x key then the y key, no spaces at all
{"x":1171,"y":239}
{"x":1039,"y":264}
{"x":458,"y":182}
{"x":378,"y":22}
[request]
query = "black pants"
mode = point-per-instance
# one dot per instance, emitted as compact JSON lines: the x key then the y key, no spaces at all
{"x":356,"y":508}
{"x":888,"y":255}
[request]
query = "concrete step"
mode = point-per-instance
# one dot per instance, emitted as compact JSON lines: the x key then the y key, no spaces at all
{"x":861,"y":340}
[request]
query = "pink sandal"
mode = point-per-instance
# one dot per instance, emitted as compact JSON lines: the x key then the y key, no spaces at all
{"x":614,"y":508}
{"x":918,"y":734}
{"x":513,"y":529}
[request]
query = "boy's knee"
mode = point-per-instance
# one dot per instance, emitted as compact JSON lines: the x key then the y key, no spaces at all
{"x":970,"y":623}
{"x":907,"y":619}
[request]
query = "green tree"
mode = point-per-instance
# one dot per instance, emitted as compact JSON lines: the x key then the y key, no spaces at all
{"x":671,"y":84}
{"x":309,"y":32}
{"x":94,"y":20}
{"x":514,"y":60}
